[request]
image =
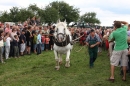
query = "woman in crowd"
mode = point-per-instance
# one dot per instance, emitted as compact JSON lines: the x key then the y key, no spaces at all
{"x":13,"y":33}
{"x":16,"y":47}
{"x":28,"y":39}
{"x":1,"y":46}
{"x":7,"y":45}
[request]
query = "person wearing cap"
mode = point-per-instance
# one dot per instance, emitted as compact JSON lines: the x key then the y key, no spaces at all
{"x":120,"y":52}
{"x":92,"y":41}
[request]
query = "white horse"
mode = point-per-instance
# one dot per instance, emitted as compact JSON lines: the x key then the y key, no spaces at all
{"x":62,"y":43}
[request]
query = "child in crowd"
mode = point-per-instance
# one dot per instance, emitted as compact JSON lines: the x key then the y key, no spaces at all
{"x":35,"y":42}
{"x":39,"y":42}
{"x":43,"y":41}
{"x":47,"y":42}
{"x":16,"y":48}
{"x":7,"y":45}
{"x":22,"y":40}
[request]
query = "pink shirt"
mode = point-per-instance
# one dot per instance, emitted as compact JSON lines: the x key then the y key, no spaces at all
{"x":8,"y":30}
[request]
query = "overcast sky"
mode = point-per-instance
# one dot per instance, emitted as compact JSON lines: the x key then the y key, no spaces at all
{"x":107,"y":10}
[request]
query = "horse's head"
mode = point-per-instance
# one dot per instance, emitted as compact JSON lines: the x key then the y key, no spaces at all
{"x":61,"y":31}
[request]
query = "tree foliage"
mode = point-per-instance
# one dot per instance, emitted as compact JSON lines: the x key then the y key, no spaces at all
{"x":50,"y":14}
{"x":62,"y":11}
{"x":90,"y":17}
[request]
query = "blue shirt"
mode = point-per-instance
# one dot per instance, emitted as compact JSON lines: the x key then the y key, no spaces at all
{"x":39,"y":38}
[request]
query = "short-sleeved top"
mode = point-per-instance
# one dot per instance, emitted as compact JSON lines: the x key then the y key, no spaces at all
{"x":22,"y":37}
{"x":34,"y":39}
{"x":51,"y":32}
{"x":7,"y":43}
{"x":47,"y":40}
{"x":43,"y":39}
{"x":120,"y":36}
{"x":15,"y":42}
{"x":96,"y":36}
{"x":39,"y":38}
{"x":28,"y":34}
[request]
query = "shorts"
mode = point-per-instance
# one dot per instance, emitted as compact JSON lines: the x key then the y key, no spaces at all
{"x":29,"y":43}
{"x":22,"y":47}
{"x":34,"y":46}
{"x":121,"y":56}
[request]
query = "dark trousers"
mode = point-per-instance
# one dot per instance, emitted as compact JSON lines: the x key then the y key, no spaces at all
{"x":38,"y":48}
{"x":129,"y":62}
{"x":93,"y":55}
{"x":11,"y":54}
{"x":16,"y":51}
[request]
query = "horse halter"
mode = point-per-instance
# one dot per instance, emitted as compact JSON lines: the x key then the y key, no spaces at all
{"x":63,"y":34}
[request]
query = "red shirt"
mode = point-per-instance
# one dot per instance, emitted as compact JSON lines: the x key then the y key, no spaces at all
{"x":47,"y":40}
{"x":43,"y":39}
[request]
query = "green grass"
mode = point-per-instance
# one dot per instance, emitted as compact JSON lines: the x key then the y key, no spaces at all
{"x":38,"y":70}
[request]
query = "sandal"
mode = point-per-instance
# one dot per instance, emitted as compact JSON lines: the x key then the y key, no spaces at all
{"x":112,"y":80}
{"x":124,"y":80}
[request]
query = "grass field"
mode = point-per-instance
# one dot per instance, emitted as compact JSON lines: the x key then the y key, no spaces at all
{"x":38,"y":70}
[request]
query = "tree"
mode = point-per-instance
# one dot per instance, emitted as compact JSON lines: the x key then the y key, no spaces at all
{"x":62,"y":11}
{"x":51,"y":15}
{"x":5,"y":17}
{"x":38,"y":12}
{"x":14,"y":14}
{"x":90,"y":18}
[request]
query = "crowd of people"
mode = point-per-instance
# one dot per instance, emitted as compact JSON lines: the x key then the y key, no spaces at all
{"x":23,"y":39}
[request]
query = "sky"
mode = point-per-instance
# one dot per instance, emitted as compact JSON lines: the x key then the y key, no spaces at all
{"x":107,"y":10}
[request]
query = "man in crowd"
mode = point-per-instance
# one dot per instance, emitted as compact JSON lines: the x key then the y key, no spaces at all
{"x":120,"y":51}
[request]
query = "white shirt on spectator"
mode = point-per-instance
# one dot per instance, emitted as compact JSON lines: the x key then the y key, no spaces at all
{"x":8,"y":41}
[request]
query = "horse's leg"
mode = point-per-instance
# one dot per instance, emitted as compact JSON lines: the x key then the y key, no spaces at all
{"x":60,"y":58}
{"x":57,"y":60}
{"x":67,"y":59}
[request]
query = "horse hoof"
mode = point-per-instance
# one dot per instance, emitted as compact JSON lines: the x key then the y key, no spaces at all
{"x":57,"y":67}
{"x":60,"y":63}
{"x":67,"y":66}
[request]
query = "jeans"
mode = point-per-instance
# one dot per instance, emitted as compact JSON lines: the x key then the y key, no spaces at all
{"x":7,"y":50}
{"x":1,"y":56}
{"x":42,"y":46}
{"x":38,"y":48}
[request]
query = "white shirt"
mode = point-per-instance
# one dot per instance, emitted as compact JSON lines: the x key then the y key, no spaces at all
{"x":1,"y":43}
{"x":8,"y":41}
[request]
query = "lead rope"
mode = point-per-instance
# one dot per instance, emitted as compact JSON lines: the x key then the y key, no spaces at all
{"x":73,"y":41}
